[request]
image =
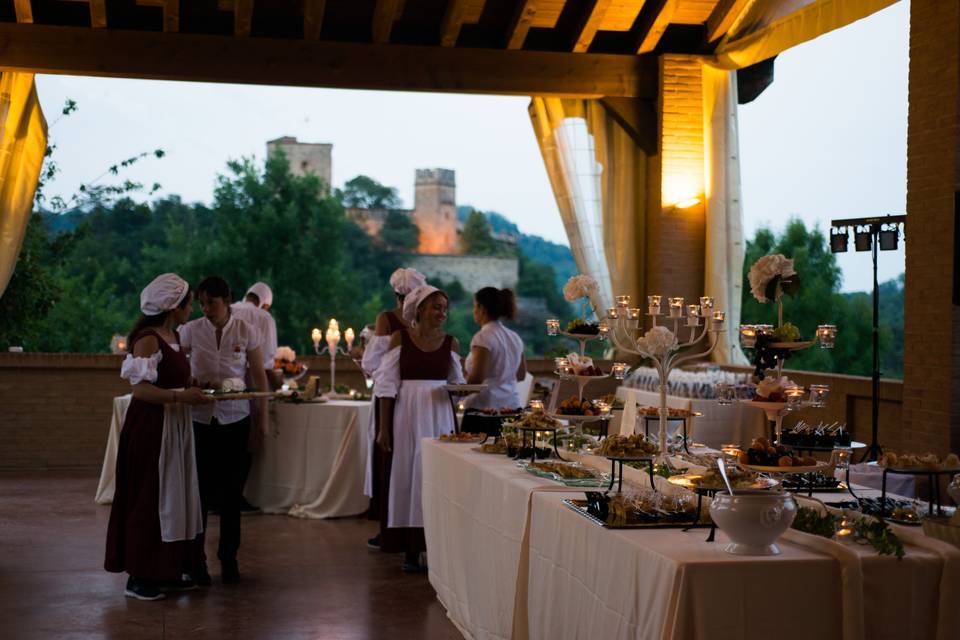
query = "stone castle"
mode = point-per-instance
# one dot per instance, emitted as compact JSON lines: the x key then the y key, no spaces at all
{"x":434,"y":212}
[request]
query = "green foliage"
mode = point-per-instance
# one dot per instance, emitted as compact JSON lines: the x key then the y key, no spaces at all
{"x":866,"y":530}
{"x":819,"y":301}
{"x":477,"y":238}
{"x":399,"y":233}
{"x":364,"y":192}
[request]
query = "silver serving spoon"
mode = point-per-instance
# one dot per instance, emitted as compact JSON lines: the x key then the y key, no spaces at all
{"x":722,"y":467}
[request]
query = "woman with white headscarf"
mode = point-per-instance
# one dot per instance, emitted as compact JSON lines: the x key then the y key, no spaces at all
{"x":155,"y":521}
{"x":413,"y":406}
{"x":402,"y":281}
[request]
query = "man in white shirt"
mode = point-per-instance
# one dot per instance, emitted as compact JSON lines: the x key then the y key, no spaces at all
{"x":220,"y":346}
{"x":253,"y":309}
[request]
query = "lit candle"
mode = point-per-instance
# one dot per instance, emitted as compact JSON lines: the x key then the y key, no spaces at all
{"x":748,"y":336}
{"x":562,"y":364}
{"x":794,"y":395}
{"x":619,"y":370}
{"x":349,"y":335}
{"x":623,"y":301}
{"x":633,"y":315}
{"x":612,"y":313}
{"x":653,"y":305}
{"x":844,"y":530}
{"x":536,"y":406}
{"x":707,"y":303}
{"x":676,"y":307}
{"x":316,"y":336}
{"x":333,"y":335}
{"x":718,"y":318}
{"x":693,"y":315}
{"x":553,"y":327}
{"x":604,"y":329}
{"x":827,"y":335}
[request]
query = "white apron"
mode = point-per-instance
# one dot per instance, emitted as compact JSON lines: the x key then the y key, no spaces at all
{"x":372,"y":356}
{"x":180,"y":515}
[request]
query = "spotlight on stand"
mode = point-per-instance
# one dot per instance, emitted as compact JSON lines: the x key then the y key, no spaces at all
{"x":890,"y":238}
{"x":863,"y":239}
{"x":839,"y":238}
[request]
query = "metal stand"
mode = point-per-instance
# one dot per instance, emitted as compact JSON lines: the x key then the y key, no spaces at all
{"x":618,"y":477}
{"x":533,"y":447}
{"x":933,"y":475}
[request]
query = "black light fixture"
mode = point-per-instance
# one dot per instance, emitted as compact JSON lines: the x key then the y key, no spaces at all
{"x":890,"y":238}
{"x":863,"y":239}
{"x":839,"y":239}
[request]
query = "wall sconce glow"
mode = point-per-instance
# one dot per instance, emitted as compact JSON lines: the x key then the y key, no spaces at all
{"x":686,"y":204}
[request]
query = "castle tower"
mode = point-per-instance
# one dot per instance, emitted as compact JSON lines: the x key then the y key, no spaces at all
{"x":435,"y":210}
{"x":306,"y":157}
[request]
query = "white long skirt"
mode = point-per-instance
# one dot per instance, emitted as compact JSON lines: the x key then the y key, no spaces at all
{"x":422,"y":411}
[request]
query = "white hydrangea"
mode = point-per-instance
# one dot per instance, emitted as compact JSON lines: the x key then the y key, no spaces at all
{"x":765,"y":269}
{"x":769,"y":386}
{"x":657,"y":342}
{"x":580,"y":287}
{"x":286,"y":354}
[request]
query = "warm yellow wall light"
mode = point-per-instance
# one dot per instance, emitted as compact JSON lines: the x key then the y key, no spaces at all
{"x":686,"y":204}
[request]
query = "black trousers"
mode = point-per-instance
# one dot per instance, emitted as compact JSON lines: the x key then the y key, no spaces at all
{"x":221,"y":467}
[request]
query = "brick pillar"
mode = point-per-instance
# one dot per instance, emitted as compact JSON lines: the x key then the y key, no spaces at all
{"x":675,"y":239}
{"x":931,"y":359}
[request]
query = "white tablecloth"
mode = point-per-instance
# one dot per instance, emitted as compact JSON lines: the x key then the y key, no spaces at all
{"x":312,"y":463}
{"x":719,"y":424}
{"x":510,"y":560}
{"x":108,"y":473}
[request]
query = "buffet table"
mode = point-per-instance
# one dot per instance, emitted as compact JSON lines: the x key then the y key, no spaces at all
{"x":311,"y":465}
{"x":720,"y":424}
{"x":509,"y":560}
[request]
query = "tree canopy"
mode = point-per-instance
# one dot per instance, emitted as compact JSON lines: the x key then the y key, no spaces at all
{"x":364,"y":192}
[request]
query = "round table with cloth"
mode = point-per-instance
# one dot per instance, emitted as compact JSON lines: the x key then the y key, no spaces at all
{"x":312,"y":462}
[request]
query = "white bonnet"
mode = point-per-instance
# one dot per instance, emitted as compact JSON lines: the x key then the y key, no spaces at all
{"x":165,"y":292}
{"x":404,"y":281}
{"x":263,"y":293}
{"x":413,"y":299}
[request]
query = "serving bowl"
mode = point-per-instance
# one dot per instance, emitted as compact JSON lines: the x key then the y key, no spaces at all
{"x":754,"y":520}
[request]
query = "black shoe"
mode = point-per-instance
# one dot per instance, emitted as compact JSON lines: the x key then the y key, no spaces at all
{"x":229,"y":572}
{"x":186,"y":583}
{"x":202,"y":577}
{"x":374,"y":542}
{"x":142,"y":590}
{"x":411,"y":563}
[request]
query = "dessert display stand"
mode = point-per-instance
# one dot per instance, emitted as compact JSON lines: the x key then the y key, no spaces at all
{"x":686,"y":438}
{"x":933,"y":475}
{"x":533,"y":445}
{"x":455,"y":391}
{"x":617,"y":478}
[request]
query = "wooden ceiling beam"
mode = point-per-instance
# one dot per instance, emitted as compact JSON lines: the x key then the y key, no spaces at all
{"x":98,"y":12}
{"x":313,"y":11}
{"x":653,"y":20}
{"x":349,"y":65}
{"x":171,"y":12}
{"x":24,"y":10}
{"x":452,"y":21}
{"x":723,"y":16}
{"x":385,"y":13}
{"x":520,"y":24}
{"x":590,"y":25}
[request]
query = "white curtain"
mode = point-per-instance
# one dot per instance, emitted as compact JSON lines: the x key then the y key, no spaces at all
{"x":23,"y":142}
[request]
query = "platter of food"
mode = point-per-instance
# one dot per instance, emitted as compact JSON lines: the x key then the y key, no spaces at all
{"x":574,"y":406}
{"x":919,"y":463}
{"x":765,"y":457}
{"x":567,"y":473}
{"x":462,"y":437}
{"x":818,"y":482}
{"x":581,"y":329}
{"x":636,"y":510}
{"x":626,"y":447}
{"x":672,"y":412}
{"x":710,"y":480}
{"x":498,"y":447}
{"x":220,"y":395}
{"x":535,"y":420}
{"x":464,"y":389}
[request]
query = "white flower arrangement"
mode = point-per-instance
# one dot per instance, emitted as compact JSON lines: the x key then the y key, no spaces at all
{"x":286,"y":353}
{"x":657,"y":342}
{"x":764,"y":270}
{"x":580,"y":287}
{"x":769,"y":386}
{"x":231,"y":385}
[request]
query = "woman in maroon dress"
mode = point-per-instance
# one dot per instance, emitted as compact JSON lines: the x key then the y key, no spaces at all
{"x":413,"y":406}
{"x":149,"y":462}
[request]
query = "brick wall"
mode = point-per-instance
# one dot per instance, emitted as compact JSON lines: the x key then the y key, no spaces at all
{"x":675,"y":240}
{"x":931,"y":391}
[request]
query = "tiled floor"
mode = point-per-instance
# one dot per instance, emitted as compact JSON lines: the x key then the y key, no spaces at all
{"x":301,"y":578}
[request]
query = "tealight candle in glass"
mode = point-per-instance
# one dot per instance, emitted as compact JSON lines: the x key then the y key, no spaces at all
{"x":827,"y":335}
{"x":536,"y":406}
{"x":819,"y":394}
{"x":553,"y":327}
{"x":676,"y":307}
{"x":604,"y":330}
{"x":613,"y":313}
{"x":633,"y":317}
{"x":706,"y":302}
{"x":725,"y":393}
{"x":844,"y":529}
{"x":653,"y":305}
{"x":623,"y":301}
{"x":619,"y":370}
{"x":748,"y":336}
{"x":603,"y":407}
{"x":764,"y":329}
{"x":561,"y":364}
{"x":718,"y":318}
{"x":731,"y":453}
{"x":693,"y":315}
{"x":794,"y":396}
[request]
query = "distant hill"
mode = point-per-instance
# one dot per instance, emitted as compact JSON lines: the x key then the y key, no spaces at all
{"x":536,"y":248}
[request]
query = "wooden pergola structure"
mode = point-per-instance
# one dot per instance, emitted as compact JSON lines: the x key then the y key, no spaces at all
{"x":546,"y":47}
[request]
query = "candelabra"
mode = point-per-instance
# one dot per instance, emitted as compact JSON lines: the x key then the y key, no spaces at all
{"x":623,"y":327}
{"x":333,"y":347}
